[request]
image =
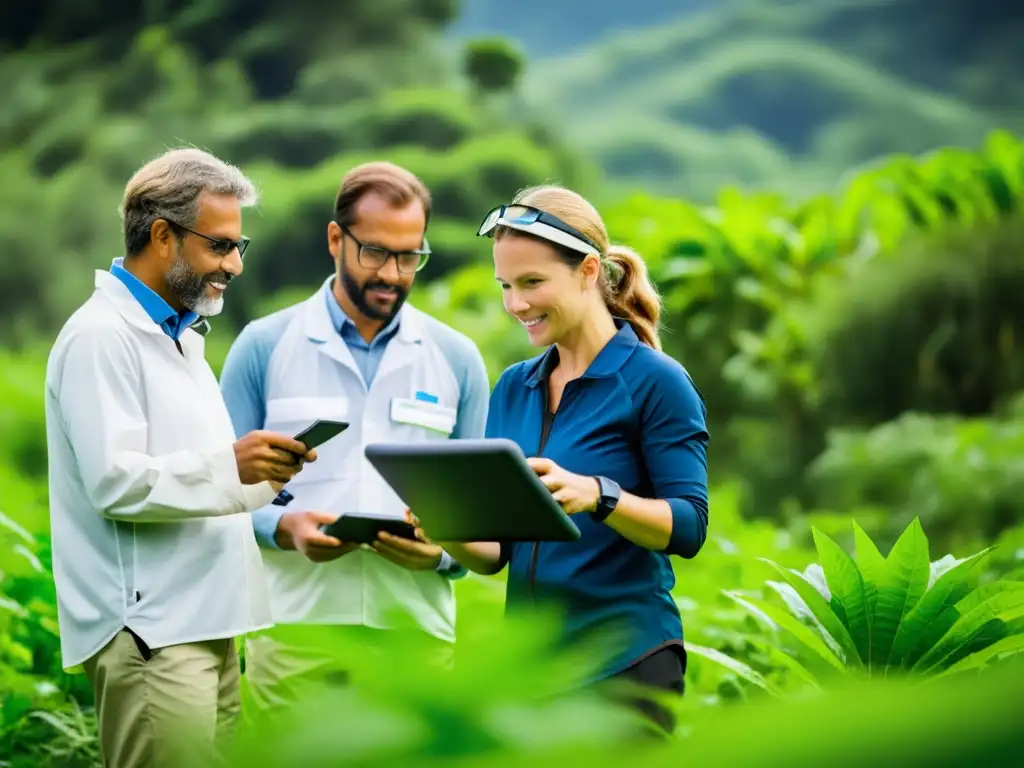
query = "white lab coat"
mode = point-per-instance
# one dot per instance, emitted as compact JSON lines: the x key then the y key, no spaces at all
{"x":150,"y":523}
{"x":312,"y":375}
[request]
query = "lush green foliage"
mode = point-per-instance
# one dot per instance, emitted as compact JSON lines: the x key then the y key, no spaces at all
{"x":742,"y":285}
{"x":753,"y":287}
{"x":877,"y":615}
{"x":857,"y":350}
{"x":77,"y":121}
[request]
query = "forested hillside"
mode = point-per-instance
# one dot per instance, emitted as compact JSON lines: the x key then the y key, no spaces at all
{"x":777,"y":94}
{"x":294,"y":96}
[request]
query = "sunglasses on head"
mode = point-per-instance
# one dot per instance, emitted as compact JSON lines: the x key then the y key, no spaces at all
{"x":534,"y":221}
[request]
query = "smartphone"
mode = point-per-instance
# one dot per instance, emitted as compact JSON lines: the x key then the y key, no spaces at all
{"x":363,"y":529}
{"x":320,"y":431}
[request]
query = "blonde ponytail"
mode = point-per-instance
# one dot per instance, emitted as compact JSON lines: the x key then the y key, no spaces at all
{"x":630,"y":294}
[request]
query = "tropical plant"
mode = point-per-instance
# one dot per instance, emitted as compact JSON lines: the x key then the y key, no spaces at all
{"x":875,"y":616}
{"x":745,"y":282}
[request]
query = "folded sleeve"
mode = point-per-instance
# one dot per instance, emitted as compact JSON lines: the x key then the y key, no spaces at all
{"x":99,"y":398}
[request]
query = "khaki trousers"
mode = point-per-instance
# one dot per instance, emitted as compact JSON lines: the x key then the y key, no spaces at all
{"x":284,"y":662}
{"x":174,"y":706}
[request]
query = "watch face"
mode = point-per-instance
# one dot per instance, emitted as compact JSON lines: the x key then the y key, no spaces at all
{"x":609,"y":492}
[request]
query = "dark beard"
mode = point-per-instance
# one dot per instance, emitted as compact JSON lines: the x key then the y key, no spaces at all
{"x":357,"y":295}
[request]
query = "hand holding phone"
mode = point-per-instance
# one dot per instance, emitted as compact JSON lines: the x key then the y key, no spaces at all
{"x":263,"y":455}
{"x":313,"y":436}
{"x":320,"y":431}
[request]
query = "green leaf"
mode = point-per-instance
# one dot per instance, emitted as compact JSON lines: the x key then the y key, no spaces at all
{"x":954,"y":612}
{"x":11,"y":605}
{"x":827,"y":619}
{"x":949,"y":589}
{"x":872,"y":570}
{"x":778,"y":618}
{"x":745,"y":671}
{"x":1008,"y":646}
{"x":847,"y":587}
{"x":904,"y":582}
{"x":1003,"y":606}
{"x":13,"y":527}
{"x":782,"y":660}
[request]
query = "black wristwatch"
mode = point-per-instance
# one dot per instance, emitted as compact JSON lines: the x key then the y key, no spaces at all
{"x":607,"y":500}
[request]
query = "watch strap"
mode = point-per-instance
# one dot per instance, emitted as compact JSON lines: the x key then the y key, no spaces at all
{"x":607,"y":500}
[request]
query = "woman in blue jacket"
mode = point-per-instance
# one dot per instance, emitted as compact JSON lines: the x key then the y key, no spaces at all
{"x":614,"y":427}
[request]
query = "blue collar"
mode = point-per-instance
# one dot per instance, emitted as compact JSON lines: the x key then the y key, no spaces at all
{"x":343,"y":323}
{"x":173,"y":323}
{"x":607,"y":363}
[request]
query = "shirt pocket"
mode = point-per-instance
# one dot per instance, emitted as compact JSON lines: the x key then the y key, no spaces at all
{"x":291,"y":415}
{"x":423,"y":420}
{"x":300,"y":412}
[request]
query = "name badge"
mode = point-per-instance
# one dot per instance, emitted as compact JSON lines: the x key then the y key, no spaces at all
{"x":422,"y":413}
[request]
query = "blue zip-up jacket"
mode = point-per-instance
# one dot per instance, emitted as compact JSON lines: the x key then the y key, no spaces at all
{"x":636,"y":417}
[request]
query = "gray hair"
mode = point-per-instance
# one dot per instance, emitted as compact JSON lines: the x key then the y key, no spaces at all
{"x":168,"y":187}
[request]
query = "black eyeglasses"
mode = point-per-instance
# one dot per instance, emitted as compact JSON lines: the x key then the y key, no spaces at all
{"x":375,"y":257}
{"x":221,"y":246}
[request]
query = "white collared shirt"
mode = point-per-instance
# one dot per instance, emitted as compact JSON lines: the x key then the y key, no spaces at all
{"x":150,"y":524}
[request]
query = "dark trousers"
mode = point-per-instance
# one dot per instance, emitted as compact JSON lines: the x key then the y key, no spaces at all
{"x":660,"y":673}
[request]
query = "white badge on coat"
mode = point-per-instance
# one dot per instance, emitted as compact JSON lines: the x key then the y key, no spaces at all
{"x":423,"y":411}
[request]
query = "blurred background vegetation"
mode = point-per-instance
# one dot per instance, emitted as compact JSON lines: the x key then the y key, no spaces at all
{"x":829,"y":196}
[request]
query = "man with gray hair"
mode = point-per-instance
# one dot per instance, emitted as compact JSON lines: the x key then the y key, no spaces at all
{"x":154,"y":559}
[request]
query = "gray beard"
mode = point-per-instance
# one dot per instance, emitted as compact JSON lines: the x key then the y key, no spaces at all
{"x":189,"y":288}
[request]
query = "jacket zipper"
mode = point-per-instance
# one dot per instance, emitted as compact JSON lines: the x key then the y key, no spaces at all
{"x":547,"y":423}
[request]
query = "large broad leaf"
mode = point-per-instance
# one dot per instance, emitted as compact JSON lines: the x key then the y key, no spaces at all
{"x":951,"y":614}
{"x":776,"y":618}
{"x":946,"y":592}
{"x":904,"y":582}
{"x":872,"y":570}
{"x":991,"y":633}
{"x":846,"y":584}
{"x":1008,"y":646}
{"x":799,"y":609}
{"x":822,"y":611}
{"x":1003,"y":606}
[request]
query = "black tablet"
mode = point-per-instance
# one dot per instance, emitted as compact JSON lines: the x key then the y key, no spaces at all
{"x":363,"y":529}
{"x":472,"y":490}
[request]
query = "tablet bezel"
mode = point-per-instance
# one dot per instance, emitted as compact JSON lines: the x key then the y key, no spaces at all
{"x":420,"y":473}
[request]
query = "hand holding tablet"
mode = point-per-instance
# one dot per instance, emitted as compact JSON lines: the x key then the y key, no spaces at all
{"x":364,"y":529}
{"x":473,"y":490}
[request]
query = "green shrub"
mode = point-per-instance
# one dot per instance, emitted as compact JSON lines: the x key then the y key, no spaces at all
{"x":963,"y":477}
{"x":935,"y":327}
{"x":879,"y":616}
{"x":22,"y":418}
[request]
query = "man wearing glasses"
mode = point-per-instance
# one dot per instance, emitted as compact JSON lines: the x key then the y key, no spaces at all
{"x":355,"y":351}
{"x":154,"y":560}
